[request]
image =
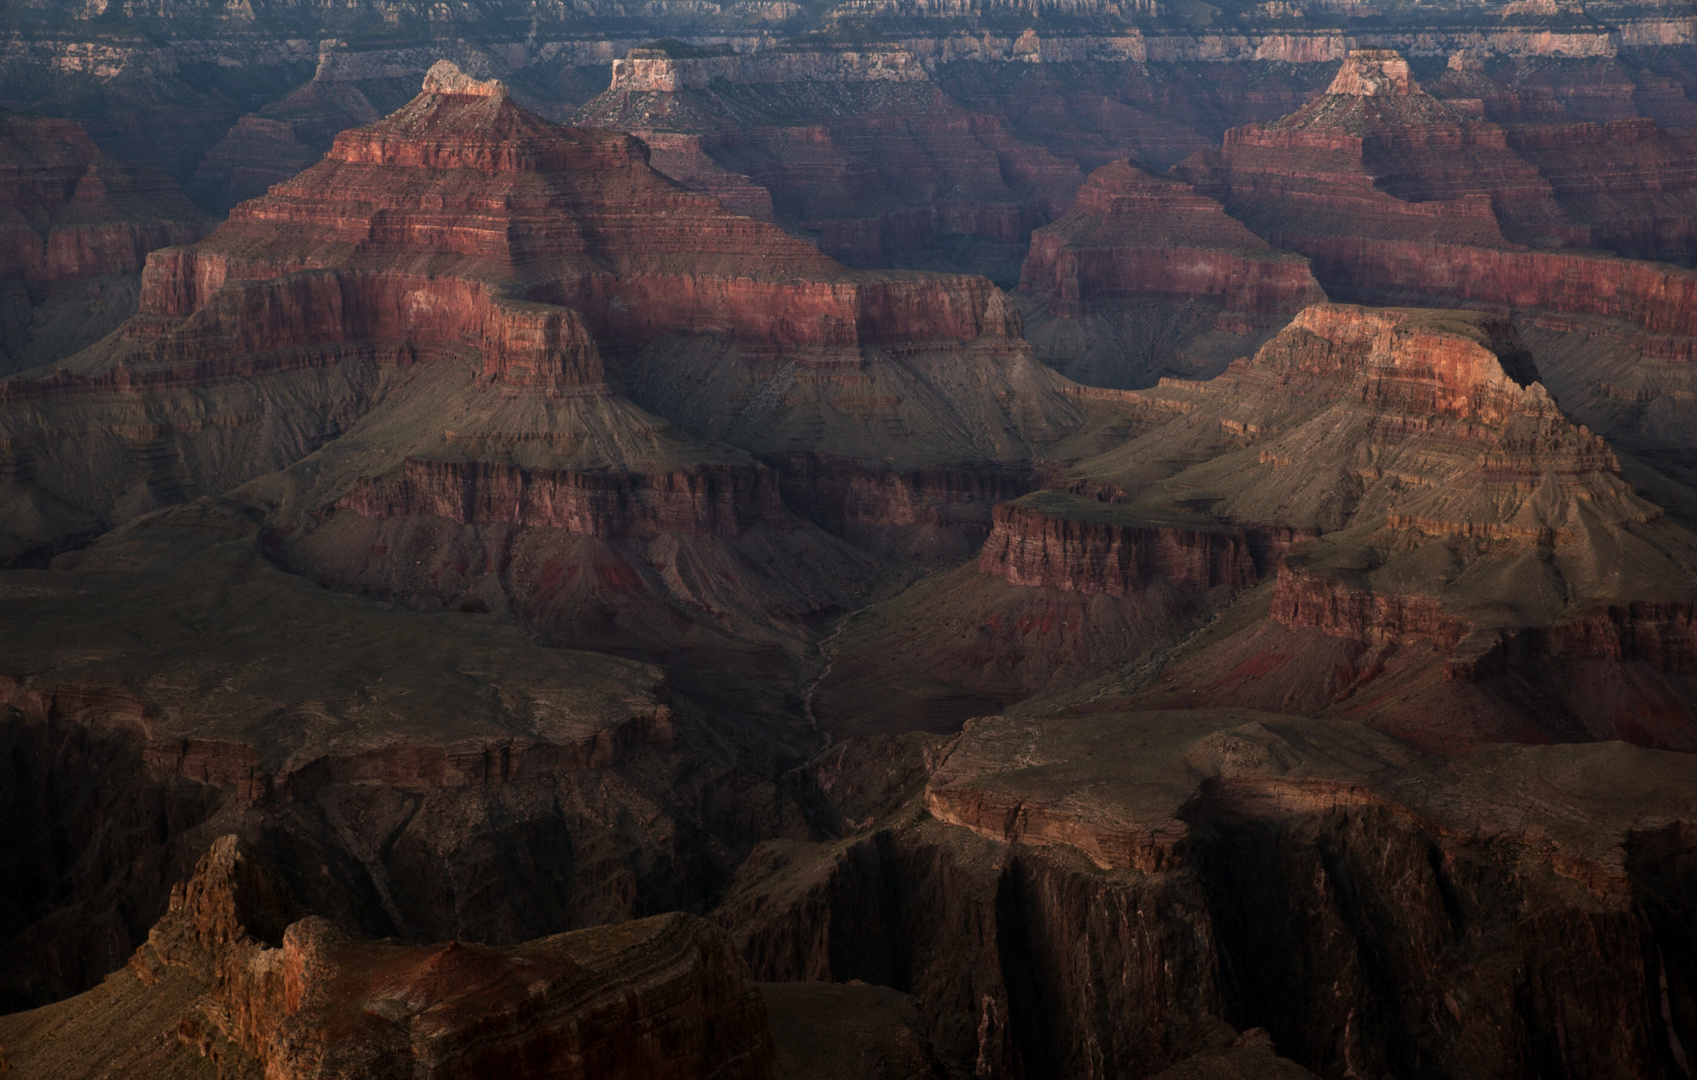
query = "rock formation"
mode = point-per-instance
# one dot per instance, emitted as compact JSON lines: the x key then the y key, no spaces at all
{"x":75,"y":227}
{"x":293,"y":997}
{"x":490,"y":585}
{"x":173,"y":674}
{"x":862,"y":150}
{"x":1443,"y":551}
{"x":1398,"y":196}
{"x":1137,"y":252}
{"x":1460,"y":508}
{"x":443,"y":285}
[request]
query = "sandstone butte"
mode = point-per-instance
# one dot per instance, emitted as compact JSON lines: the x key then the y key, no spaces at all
{"x":860,"y":148}
{"x":1398,"y":196}
{"x":75,"y":228}
{"x":1141,"y":265}
{"x":1445,"y":555}
{"x":414,"y":332}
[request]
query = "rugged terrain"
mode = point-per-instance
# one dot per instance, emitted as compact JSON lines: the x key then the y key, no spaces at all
{"x":1397,"y":195}
{"x":509,"y":599}
{"x":77,"y":227}
{"x":1143,"y":277}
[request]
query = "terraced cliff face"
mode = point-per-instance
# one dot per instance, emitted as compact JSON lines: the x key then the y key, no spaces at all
{"x":1382,"y":515}
{"x":1136,"y":254}
{"x":149,"y":710}
{"x":1463,"y":514}
{"x":1194,"y":872}
{"x":1396,"y":195}
{"x":432,"y":300}
{"x":298,"y":997}
{"x":77,"y":227}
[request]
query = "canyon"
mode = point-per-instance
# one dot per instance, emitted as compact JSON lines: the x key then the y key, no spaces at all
{"x":880,"y":541}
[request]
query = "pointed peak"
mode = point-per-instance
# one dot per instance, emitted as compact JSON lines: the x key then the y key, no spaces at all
{"x":1374,"y":73}
{"x":445,"y":77}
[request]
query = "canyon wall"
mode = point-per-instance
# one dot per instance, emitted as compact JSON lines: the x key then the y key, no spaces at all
{"x":1035,"y":549}
{"x":1273,"y":854}
{"x":713,"y":501}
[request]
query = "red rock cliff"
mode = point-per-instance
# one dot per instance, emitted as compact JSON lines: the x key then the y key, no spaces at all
{"x":69,"y":211}
{"x":1393,"y":194}
{"x":469,"y":184}
{"x":1131,"y":234}
{"x":709,"y":500}
{"x":1086,"y":550}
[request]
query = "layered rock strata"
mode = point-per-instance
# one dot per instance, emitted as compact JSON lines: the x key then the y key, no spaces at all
{"x":1395,"y":195}
{"x":296,"y":997}
{"x":1460,"y":508}
{"x":1132,"y":234}
{"x":1162,"y":801}
{"x":1137,"y":250}
{"x":1383,"y":512}
{"x":142,"y":684}
{"x":1078,"y":546}
{"x":1199,"y":874}
{"x":860,"y":149}
{"x":464,"y":229}
{"x":76,"y":226}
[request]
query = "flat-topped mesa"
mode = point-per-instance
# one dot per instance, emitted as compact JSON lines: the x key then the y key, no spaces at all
{"x":1131,"y":234}
{"x":1374,"y":73}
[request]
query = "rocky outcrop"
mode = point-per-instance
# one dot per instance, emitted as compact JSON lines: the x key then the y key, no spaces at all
{"x":1385,"y":160}
{"x":991,"y":944}
{"x":289,"y":317}
{"x":637,"y":255}
{"x":428,"y":777}
{"x":298,"y":997}
{"x":1144,"y":276}
{"x":75,"y":228}
{"x":939,"y":511}
{"x":1372,"y":618}
{"x":713,"y":501}
{"x":1405,"y":197}
{"x":1131,"y":234}
{"x":1443,"y":506}
{"x":1079,"y":545}
{"x":465,"y":228}
{"x":1319,"y":829}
